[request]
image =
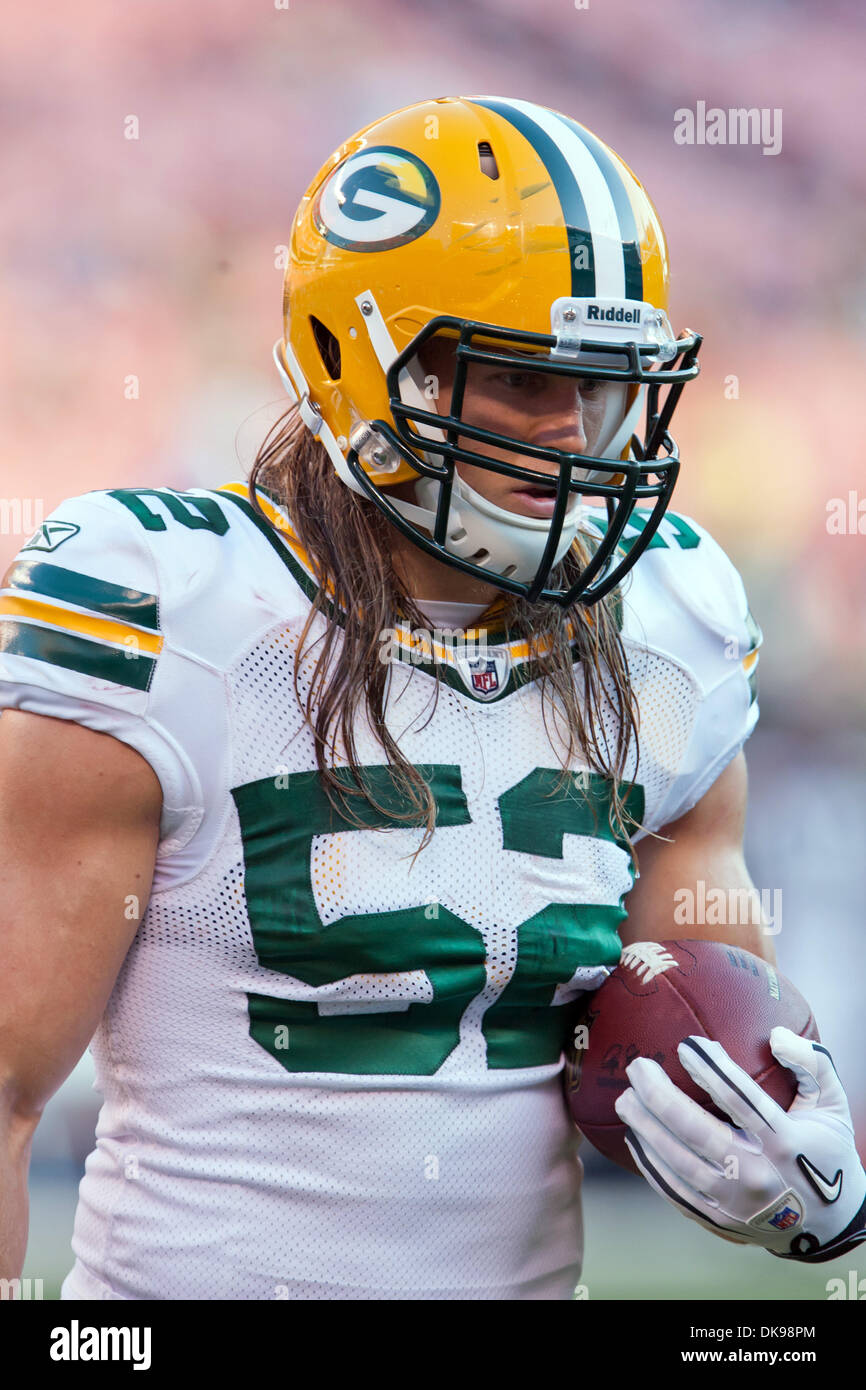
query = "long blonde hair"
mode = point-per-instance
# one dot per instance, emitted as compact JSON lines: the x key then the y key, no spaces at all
{"x":350,"y":545}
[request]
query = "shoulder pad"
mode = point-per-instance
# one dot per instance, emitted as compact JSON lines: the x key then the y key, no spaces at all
{"x":81,"y":597}
{"x":685,"y":599}
{"x":684,"y":606}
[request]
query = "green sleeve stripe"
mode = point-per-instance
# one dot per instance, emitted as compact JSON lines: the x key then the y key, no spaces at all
{"x":133,"y":668}
{"x":97,"y":595}
{"x":756,"y":636}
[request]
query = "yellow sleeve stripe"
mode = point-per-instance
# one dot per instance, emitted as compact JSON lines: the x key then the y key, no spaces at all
{"x":105,"y":629}
{"x":750,"y":661}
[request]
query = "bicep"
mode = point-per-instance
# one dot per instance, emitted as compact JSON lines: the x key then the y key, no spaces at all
{"x":79,"y":828}
{"x":700,"y":861}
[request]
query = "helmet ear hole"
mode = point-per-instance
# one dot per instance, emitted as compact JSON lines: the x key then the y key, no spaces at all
{"x":487,"y":159}
{"x":329,"y":348}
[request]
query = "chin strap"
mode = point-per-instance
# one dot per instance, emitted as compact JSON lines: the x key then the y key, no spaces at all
{"x":289,"y":369}
{"x":410,"y":381}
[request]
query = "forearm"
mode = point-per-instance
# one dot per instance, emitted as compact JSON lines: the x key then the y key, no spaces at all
{"x":16,"y":1138}
{"x":694,"y":882}
{"x":708,"y":896}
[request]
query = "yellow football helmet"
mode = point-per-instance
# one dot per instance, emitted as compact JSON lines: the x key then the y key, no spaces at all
{"x":515,"y":232}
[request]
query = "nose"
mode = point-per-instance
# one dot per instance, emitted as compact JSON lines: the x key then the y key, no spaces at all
{"x":561,"y":426}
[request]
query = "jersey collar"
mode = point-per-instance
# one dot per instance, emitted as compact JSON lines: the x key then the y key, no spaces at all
{"x":424,"y":653}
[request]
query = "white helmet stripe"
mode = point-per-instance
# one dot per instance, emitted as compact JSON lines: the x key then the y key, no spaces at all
{"x":601,"y":211}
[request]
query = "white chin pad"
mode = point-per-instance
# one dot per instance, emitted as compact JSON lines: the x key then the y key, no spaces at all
{"x":507,"y":543}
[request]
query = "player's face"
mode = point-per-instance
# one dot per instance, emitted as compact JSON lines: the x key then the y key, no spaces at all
{"x":555,"y":411}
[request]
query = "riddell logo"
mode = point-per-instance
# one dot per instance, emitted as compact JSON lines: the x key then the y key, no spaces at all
{"x":595,"y":314}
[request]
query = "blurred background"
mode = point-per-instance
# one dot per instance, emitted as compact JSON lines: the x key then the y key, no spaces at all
{"x":156,"y":259}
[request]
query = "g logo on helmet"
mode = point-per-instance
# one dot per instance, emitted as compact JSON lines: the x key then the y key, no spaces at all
{"x":376,"y":200}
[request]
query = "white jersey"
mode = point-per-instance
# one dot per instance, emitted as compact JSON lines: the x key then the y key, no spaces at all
{"x":331,"y":1069}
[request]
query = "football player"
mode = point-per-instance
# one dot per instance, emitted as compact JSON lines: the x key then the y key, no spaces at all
{"x":323,"y":793}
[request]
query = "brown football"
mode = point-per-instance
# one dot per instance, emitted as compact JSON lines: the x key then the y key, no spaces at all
{"x":659,"y":994}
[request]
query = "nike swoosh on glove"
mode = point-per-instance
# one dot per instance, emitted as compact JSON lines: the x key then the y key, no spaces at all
{"x":790,"y":1181}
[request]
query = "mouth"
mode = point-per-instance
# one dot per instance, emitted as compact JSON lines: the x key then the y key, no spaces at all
{"x":535,"y":499}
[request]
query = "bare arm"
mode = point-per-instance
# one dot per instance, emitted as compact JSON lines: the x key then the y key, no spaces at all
{"x":79,"y":827}
{"x":705,"y":845}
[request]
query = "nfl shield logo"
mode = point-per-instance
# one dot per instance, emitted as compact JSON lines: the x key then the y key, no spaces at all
{"x":486,"y":675}
{"x":784,"y":1218}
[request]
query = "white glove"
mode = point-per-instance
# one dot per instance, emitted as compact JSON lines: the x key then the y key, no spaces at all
{"x":790,"y":1181}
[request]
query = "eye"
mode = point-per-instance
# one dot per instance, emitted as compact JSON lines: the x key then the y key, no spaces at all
{"x":590,"y":386}
{"x":517,"y":380}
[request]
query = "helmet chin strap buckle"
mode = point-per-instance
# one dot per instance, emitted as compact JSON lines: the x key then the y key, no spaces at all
{"x":374,"y":451}
{"x":310,"y":415}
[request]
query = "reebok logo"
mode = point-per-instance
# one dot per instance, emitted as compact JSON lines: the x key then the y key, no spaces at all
{"x":51,"y":534}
